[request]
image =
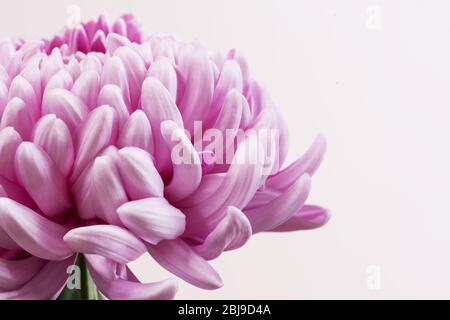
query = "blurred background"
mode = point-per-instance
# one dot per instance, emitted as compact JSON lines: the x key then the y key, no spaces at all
{"x":374,"y":78}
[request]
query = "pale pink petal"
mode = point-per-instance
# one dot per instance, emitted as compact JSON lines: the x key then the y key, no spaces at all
{"x":163,"y":70}
{"x":46,"y":284}
{"x":15,"y":273}
{"x":308,"y":217}
{"x":99,"y":131}
{"x":32,"y":232}
{"x":53,"y":136}
{"x":282,"y":208}
{"x":114,"y":73}
{"x":62,"y":80}
{"x":308,"y":163}
{"x":198,"y":94}
{"x":135,"y":69}
{"x":66,"y":106}
{"x":9,"y":141}
{"x":237,"y":189}
{"x":39,"y":175}
{"x":109,"y":241}
{"x":108,"y":189}
{"x":152,"y":219}
{"x":86,"y":87}
{"x":103,"y":272}
{"x":231,"y":233}
{"x":136,"y":132}
{"x":180,"y":259}
{"x":111,"y":95}
{"x":139,"y":175}
{"x":18,"y":116}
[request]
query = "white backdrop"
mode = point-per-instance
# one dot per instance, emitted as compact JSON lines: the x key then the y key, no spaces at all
{"x":374,"y":78}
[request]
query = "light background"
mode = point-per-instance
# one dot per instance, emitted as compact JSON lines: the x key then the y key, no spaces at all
{"x":380,"y":95}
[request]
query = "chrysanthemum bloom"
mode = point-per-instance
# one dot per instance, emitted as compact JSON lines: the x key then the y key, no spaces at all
{"x":89,"y":121}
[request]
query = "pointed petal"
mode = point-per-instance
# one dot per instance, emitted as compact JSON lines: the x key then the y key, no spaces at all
{"x":198,"y":95}
{"x":136,"y":132}
{"x":180,"y":259}
{"x":114,"y":41}
{"x":9,"y":141}
{"x":111,"y":95}
{"x":231,"y":233}
{"x":152,"y":219}
{"x":208,"y":187}
{"x":53,"y":136}
{"x":109,"y":241}
{"x":45,"y":285}
{"x":186,"y":162}
{"x":158,"y":105}
{"x":163,"y":70}
{"x":22,"y":89}
{"x":66,"y":106}
{"x":62,"y":80}
{"x":15,"y":273}
{"x":282,"y":208}
{"x":86,"y":87}
{"x":135,"y":69}
{"x":17,"y":115}
{"x":139,"y":175}
{"x":308,"y":217}
{"x":99,"y":131}
{"x":39,"y":175}
{"x":108,"y":188}
{"x":114,"y":73}
{"x":32,"y":232}
{"x":103,"y":273}
{"x":230,"y":78}
{"x":238,"y":188}
{"x":308,"y":163}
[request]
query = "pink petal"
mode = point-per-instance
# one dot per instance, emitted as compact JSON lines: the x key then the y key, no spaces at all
{"x":113,"y":287}
{"x":32,"y":232}
{"x":230,"y":78}
{"x":66,"y":106}
{"x":163,"y":70}
{"x":111,"y":95}
{"x":308,"y":217}
{"x":114,"y":41}
{"x":180,"y":259}
{"x":231,"y":233}
{"x":109,"y":241}
{"x":186,"y":168}
{"x":9,"y":141}
{"x":44,"y":285}
{"x":139,"y":175}
{"x":62,"y":80}
{"x":199,"y":87}
{"x":114,"y":73}
{"x":152,"y":219}
{"x":39,"y":175}
{"x":136,"y":132}
{"x":238,"y":188}
{"x":99,"y":131}
{"x":308,"y":163}
{"x":135,"y":69}
{"x":86,"y":87}
{"x":158,"y":105}
{"x":108,"y":189}
{"x":17,"y":115}
{"x":53,"y":136}
{"x":282,"y":208}
{"x":15,"y":273}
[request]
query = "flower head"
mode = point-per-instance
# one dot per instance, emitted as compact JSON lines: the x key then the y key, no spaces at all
{"x":107,"y":150}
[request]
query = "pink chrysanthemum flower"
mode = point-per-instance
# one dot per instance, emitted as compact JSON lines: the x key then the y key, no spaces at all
{"x":89,"y":122}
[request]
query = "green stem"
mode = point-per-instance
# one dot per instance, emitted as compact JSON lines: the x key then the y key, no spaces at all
{"x":87,"y":289}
